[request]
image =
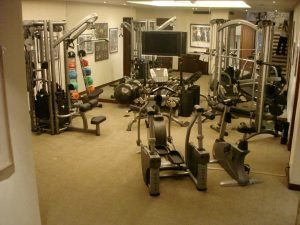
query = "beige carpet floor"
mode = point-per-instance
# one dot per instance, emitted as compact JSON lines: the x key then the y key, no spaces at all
{"x":85,"y":179}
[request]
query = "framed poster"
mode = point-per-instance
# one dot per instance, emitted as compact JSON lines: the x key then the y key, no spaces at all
{"x":84,"y":43}
{"x":101,"y":30}
{"x":199,"y":35}
{"x":113,"y":40}
{"x":101,"y":50}
{"x":6,"y":157}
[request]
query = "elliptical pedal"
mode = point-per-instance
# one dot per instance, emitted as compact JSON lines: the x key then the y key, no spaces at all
{"x":162,"y":150}
{"x":175,"y":157}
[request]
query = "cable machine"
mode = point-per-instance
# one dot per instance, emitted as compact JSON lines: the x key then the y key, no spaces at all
{"x":261,"y":58}
{"x":46,"y":52}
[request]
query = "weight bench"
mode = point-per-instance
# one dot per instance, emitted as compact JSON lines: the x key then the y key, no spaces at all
{"x":97,"y":120}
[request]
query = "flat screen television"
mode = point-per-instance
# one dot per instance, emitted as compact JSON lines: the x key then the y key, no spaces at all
{"x":164,"y":43}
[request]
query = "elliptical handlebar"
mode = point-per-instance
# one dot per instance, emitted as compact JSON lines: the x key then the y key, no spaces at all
{"x":189,"y":129}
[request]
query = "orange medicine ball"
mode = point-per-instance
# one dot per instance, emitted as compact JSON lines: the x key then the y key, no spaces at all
{"x":91,"y":89}
{"x":71,"y":65}
{"x":75,"y":95}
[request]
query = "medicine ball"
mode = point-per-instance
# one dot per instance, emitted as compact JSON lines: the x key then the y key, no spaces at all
{"x":71,"y":54}
{"x":74,"y":85}
{"x":91,"y":89}
{"x":89,"y":80}
{"x":81,"y":53}
{"x":87,"y":71}
{"x":72,"y":74}
{"x":71,"y":65}
{"x":75,"y":95}
{"x":84,"y":62}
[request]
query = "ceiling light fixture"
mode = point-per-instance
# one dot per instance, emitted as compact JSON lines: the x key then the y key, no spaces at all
{"x":208,"y":4}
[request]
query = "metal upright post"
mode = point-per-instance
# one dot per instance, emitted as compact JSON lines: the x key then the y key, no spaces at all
{"x":66,"y":69}
{"x":213,"y":50}
{"x":266,"y":28}
{"x":53,"y":74}
{"x":219,"y":61}
{"x":49,"y":78}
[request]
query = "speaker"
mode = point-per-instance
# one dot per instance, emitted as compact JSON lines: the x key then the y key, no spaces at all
{"x":196,"y":94}
{"x":186,"y":103}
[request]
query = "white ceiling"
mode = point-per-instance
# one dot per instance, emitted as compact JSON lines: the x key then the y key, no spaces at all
{"x":257,"y":5}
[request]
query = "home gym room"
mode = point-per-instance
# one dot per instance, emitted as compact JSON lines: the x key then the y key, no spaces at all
{"x":115,"y":112}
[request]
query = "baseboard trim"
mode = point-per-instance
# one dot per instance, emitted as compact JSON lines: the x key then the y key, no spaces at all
{"x":109,"y":83}
{"x":101,"y":86}
{"x":294,"y":187}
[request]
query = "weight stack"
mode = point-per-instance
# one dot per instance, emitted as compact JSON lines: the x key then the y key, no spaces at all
{"x":186,"y":103}
{"x":196,"y":94}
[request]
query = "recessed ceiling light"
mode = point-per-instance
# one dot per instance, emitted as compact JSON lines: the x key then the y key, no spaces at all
{"x":274,"y":2}
{"x":209,"y":4}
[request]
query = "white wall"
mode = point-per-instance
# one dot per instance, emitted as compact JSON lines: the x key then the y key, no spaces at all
{"x":294,"y":163}
{"x":43,"y":10}
{"x":106,"y":70}
{"x":102,"y":71}
{"x":184,"y":17}
{"x":18,"y":193}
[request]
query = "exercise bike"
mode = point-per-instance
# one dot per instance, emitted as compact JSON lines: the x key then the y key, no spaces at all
{"x":232,"y":156}
{"x":161,"y":159}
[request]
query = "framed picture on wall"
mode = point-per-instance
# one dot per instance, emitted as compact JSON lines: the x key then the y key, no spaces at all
{"x":101,"y":30}
{"x":101,"y":50}
{"x":113,"y":40}
{"x":84,"y":43}
{"x":6,"y":157}
{"x":199,"y":35}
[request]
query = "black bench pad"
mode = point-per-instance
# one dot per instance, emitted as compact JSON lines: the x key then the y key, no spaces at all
{"x":98,"y":119}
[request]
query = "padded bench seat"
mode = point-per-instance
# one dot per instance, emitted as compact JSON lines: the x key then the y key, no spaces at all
{"x":97,"y":120}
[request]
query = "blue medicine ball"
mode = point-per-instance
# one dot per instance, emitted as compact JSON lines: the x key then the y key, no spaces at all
{"x":87,"y":71}
{"x":72,"y":74}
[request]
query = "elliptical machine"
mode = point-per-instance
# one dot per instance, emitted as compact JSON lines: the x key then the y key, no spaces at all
{"x":158,"y":159}
{"x":231,"y":156}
